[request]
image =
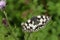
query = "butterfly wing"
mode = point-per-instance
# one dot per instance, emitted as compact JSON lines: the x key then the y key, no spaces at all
{"x":35,"y":23}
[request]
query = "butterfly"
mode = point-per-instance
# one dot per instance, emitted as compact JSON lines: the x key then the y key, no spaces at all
{"x":35,"y":23}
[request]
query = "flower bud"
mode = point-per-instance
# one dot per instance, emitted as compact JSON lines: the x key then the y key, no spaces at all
{"x":4,"y":21}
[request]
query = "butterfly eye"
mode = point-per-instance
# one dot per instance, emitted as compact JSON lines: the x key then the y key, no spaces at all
{"x":35,"y":23}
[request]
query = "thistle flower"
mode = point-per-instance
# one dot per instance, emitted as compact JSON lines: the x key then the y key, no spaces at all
{"x":2,"y":4}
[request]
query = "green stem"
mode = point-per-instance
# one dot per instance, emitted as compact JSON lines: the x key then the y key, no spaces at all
{"x":6,"y":17}
{"x":8,"y":24}
{"x":28,"y":36}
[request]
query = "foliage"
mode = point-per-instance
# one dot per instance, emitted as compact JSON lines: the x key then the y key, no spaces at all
{"x":20,"y":10}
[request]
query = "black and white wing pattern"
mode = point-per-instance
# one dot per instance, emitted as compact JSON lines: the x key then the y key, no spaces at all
{"x":35,"y":23}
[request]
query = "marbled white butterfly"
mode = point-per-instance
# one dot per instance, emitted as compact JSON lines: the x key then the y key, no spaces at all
{"x":35,"y":23}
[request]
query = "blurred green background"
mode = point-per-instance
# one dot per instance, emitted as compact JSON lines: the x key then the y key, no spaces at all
{"x":20,"y":10}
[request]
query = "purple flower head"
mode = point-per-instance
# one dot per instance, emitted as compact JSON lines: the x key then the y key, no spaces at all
{"x":2,"y":4}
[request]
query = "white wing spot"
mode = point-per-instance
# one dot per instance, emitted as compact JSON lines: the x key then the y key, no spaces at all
{"x":39,"y":16}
